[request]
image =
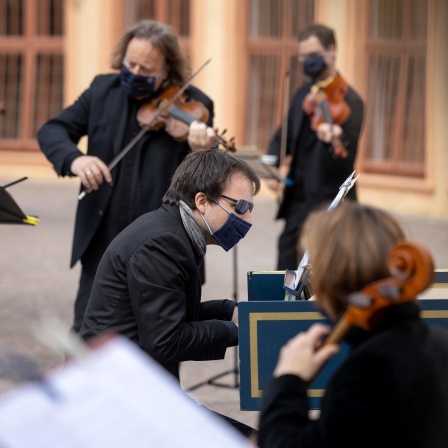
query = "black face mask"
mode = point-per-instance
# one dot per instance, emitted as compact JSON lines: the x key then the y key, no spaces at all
{"x":231,"y":232}
{"x":313,"y":66}
{"x":137,"y":86}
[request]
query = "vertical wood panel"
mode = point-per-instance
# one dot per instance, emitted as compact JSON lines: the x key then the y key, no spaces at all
{"x":28,"y":88}
{"x":273,"y":39}
{"x":397,"y":35}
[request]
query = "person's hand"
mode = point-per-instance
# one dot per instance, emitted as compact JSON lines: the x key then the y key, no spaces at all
{"x":304,"y":355}
{"x":91,"y":170}
{"x":201,"y":136}
{"x":235,"y":315}
{"x":325,"y":132}
{"x":275,"y":185}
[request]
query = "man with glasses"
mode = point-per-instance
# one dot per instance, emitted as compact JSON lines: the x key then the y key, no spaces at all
{"x":317,"y":161}
{"x":149,"y":60}
{"x":147,"y":286}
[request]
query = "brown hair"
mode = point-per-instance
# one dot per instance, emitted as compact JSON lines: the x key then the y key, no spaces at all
{"x":207,"y":172}
{"x":349,"y":248}
{"x":162,"y":37}
{"x":323,"y":33}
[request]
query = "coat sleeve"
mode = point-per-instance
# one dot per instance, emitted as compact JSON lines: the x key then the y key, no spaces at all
{"x":58,"y":138}
{"x":159,"y":274}
{"x":352,"y":127}
{"x":360,"y":399}
{"x":217,"y":309}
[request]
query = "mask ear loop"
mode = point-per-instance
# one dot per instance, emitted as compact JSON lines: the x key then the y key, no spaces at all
{"x":206,"y":223}
{"x":203,"y":217}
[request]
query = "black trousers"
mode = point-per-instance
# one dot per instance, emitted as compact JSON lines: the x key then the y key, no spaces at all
{"x":289,"y":254}
{"x":244,"y":429}
{"x":82,"y":298}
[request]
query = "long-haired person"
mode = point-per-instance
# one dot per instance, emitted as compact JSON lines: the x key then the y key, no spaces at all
{"x":392,"y":390}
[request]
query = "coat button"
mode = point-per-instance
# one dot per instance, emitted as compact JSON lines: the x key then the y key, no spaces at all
{"x":100,"y":213}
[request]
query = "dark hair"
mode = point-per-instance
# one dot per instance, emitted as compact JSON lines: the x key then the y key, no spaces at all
{"x":349,"y":248}
{"x":323,"y":33}
{"x":206,"y":172}
{"x":162,"y":37}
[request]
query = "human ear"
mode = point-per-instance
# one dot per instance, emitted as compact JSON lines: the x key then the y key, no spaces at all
{"x":200,"y":201}
{"x":330,"y":54}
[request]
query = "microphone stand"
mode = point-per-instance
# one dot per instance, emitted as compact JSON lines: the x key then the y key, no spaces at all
{"x":235,"y":371}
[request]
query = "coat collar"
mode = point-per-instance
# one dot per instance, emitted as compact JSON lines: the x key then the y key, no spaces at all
{"x":393,"y":316}
{"x":174,"y":210}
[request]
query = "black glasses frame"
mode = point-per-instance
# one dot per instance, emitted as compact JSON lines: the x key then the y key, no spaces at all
{"x":242,"y":206}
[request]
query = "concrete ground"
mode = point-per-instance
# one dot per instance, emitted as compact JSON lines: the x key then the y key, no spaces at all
{"x":35,"y":279}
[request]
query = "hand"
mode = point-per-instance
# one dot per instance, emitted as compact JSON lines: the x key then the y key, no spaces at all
{"x":201,"y":136}
{"x":304,"y":355}
{"x":235,"y":315}
{"x":326,"y":132}
{"x":274,"y":185}
{"x":91,"y":170}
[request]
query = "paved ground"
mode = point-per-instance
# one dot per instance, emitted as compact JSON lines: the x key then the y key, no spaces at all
{"x":35,"y":279}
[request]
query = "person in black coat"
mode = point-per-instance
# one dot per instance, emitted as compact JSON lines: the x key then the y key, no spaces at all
{"x":147,"y":286}
{"x":392,"y":390}
{"x":150,"y":61}
{"x":315,"y":169}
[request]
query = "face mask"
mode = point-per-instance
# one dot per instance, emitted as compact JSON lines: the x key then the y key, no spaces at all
{"x":137,"y":86}
{"x":313,"y":66}
{"x":233,"y":230}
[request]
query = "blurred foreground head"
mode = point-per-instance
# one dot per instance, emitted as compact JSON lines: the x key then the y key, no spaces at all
{"x":349,"y":248}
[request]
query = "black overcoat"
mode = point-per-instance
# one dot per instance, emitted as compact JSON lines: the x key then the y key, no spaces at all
{"x":147,"y":288}
{"x":101,"y":113}
{"x":392,"y":391}
{"x":323,"y":173}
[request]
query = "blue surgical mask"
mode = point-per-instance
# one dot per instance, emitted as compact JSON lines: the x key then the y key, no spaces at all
{"x":136,"y":86}
{"x":231,"y":232}
{"x":313,"y":66}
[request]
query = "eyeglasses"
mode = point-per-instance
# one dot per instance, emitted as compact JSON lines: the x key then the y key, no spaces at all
{"x":242,"y":206}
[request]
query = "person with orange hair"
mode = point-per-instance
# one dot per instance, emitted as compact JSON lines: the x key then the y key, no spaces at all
{"x":392,"y":390}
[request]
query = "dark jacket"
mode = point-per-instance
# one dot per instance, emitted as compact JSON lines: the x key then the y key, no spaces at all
{"x":101,"y":113}
{"x":323,"y":174}
{"x":147,"y":288}
{"x":392,"y":391}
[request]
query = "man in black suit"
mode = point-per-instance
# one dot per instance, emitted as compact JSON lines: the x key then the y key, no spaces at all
{"x":150,"y":60}
{"x":147,"y":286}
{"x":315,"y":162}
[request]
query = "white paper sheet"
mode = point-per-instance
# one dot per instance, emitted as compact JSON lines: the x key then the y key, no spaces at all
{"x":116,"y":397}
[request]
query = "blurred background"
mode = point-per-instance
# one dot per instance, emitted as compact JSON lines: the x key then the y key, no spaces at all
{"x":393,"y":52}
